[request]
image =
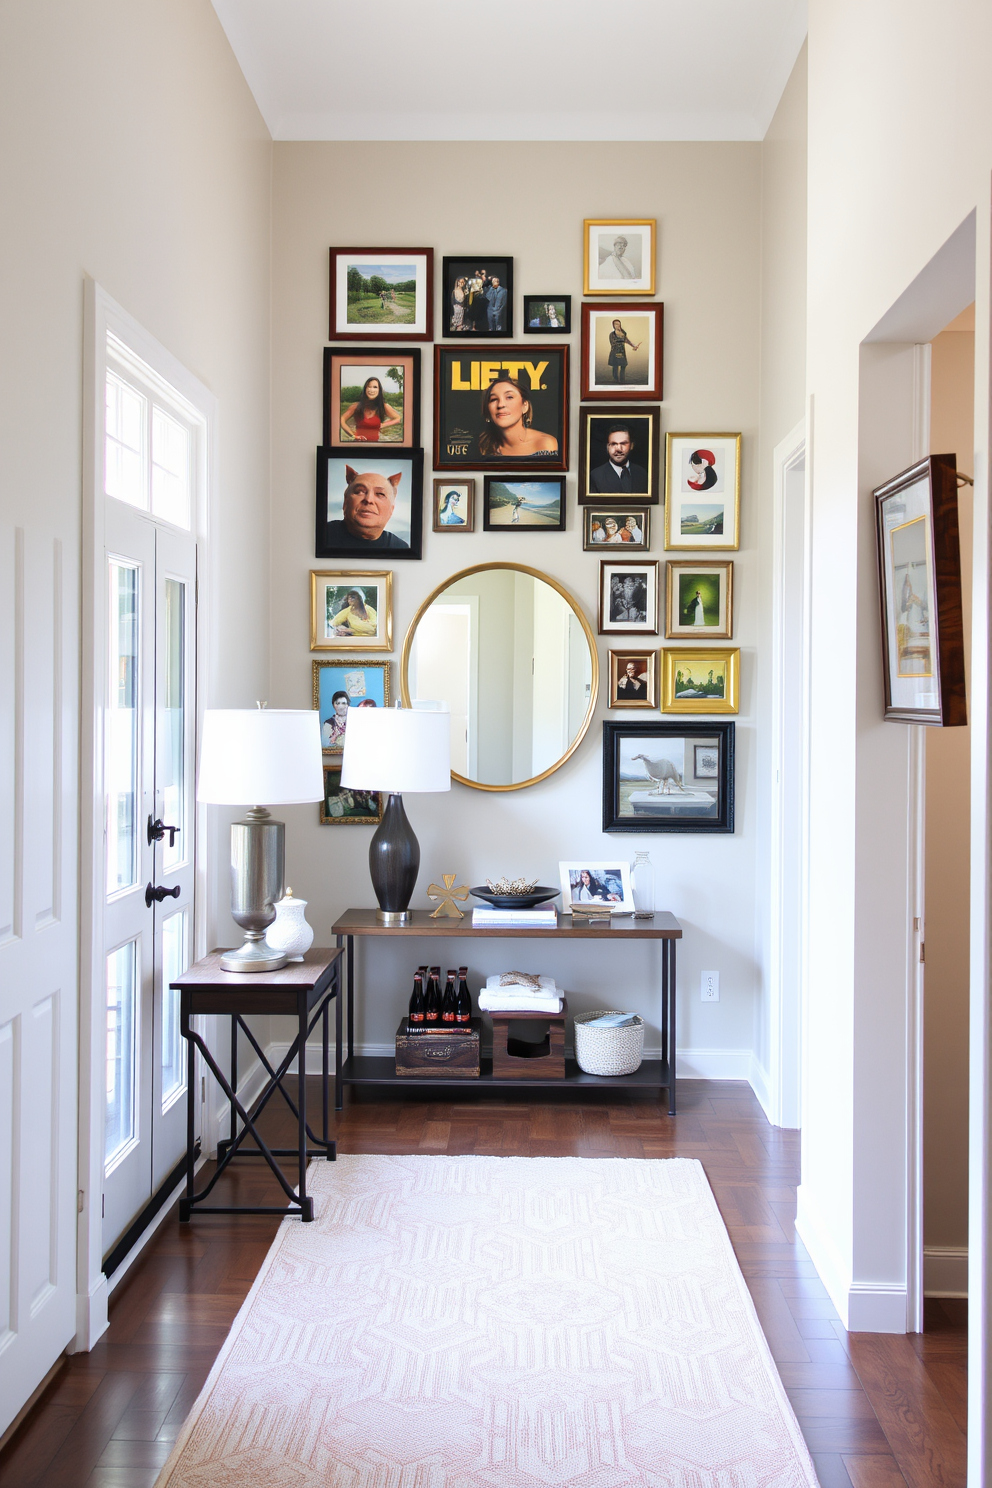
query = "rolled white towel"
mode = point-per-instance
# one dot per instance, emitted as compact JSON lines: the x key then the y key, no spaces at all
{"x":547,"y":985}
{"x":505,"y":1000}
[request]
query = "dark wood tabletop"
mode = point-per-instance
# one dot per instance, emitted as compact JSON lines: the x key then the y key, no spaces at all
{"x":662,"y":926}
{"x":208,"y":974}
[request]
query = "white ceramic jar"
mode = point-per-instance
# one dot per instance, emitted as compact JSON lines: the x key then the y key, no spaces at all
{"x":290,"y":932}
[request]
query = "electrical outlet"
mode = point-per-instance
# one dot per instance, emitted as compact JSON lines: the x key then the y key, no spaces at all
{"x":709,"y":986}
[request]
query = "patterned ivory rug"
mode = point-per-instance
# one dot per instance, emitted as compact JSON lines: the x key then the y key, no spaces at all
{"x":454,"y":1321}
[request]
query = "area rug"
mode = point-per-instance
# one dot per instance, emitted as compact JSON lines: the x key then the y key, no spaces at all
{"x":455,"y":1321}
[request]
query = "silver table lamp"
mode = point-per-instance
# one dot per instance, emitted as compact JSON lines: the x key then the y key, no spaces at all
{"x":250,"y":755}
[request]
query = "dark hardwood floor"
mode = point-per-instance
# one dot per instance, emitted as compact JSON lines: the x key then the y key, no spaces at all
{"x":877,"y":1411}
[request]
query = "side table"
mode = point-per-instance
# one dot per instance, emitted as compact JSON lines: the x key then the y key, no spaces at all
{"x":303,"y":989}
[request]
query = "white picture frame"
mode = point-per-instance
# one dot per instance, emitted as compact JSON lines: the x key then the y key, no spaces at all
{"x":604,"y":877}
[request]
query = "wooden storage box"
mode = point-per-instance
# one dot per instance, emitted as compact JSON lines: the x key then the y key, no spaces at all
{"x":541,"y":1060}
{"x":452,"y":1055}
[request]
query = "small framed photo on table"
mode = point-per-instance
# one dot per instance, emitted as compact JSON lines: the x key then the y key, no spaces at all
{"x":547,"y":315}
{"x":478,"y":297}
{"x":628,"y":597}
{"x":700,"y":681}
{"x":619,"y":454}
{"x":618,"y":255}
{"x":624,"y":527}
{"x":528,"y":502}
{"x":606,"y":884}
{"x":339,"y":686}
{"x":668,"y":777}
{"x":633,"y":679}
{"x":369,"y":502}
{"x":622,"y":351}
{"x":703,"y":491}
{"x":699,"y":599}
{"x":371,"y":396}
{"x":454,"y":505}
{"x":350,"y":608}
{"x":386,"y":292}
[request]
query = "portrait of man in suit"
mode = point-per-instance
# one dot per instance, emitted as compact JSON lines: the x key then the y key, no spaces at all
{"x":618,"y":473}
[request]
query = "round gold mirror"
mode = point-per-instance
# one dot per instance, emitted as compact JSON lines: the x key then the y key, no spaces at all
{"x":512,"y":657}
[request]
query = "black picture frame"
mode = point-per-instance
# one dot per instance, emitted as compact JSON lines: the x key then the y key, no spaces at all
{"x":499,"y":494}
{"x":658,"y":808}
{"x":330,"y":491}
{"x":475,"y":313}
{"x":535,"y":321}
{"x":461,"y":375}
{"x":337,"y":360}
{"x":645,"y":429}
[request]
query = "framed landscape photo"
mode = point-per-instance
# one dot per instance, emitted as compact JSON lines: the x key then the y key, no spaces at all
{"x":349,"y":608}
{"x":700,"y":681}
{"x":477,"y":296}
{"x":454,"y":505}
{"x":386,"y":292}
{"x":372,"y":396}
{"x":626,"y":527}
{"x":547,"y":315}
{"x":619,"y":454}
{"x":344,"y":808}
{"x":622,"y":351}
{"x":633,"y":679}
{"x":919,"y":575}
{"x":618,"y":255}
{"x":369,"y":503}
{"x":668,"y":777}
{"x":525,"y":503}
{"x":505,"y":408}
{"x":338,"y":686}
{"x":703,"y":491}
{"x":607,"y":884}
{"x":628,"y":597}
{"x":699,"y":599}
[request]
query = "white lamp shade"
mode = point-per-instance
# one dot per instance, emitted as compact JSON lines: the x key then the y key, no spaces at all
{"x":260,"y":757}
{"x":396,"y":750}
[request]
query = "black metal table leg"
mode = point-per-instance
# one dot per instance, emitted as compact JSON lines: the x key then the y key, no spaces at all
{"x":673,"y":1040}
{"x":306,"y":1204}
{"x":184,"y":1204}
{"x":338,"y":1051}
{"x":350,"y":942}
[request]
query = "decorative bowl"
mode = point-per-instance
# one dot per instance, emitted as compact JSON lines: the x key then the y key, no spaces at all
{"x":516,"y":901}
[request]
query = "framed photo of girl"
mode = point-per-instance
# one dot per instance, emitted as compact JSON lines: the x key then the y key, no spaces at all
{"x":454,"y":505}
{"x":386,"y":292}
{"x":618,"y":255}
{"x":703,"y":491}
{"x":351,"y":682}
{"x":505,"y":408}
{"x":622,"y":351}
{"x":371,"y":396}
{"x":547,"y":315}
{"x":348,"y":607}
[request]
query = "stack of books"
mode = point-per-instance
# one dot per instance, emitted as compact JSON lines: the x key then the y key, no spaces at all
{"x":543,"y":918}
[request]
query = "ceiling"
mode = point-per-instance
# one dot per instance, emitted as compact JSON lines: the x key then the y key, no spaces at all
{"x":516,"y":70}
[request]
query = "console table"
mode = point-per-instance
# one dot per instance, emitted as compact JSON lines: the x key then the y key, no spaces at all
{"x":366,"y":1069}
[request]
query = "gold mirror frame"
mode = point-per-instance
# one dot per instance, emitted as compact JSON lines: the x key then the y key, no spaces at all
{"x":535,"y":573}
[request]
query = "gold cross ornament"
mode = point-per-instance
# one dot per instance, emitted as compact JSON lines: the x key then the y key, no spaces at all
{"x":447,"y":908}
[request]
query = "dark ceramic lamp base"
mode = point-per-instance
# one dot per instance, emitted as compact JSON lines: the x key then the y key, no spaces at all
{"x":394,"y":862}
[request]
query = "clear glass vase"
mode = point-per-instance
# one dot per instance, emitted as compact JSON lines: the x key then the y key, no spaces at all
{"x":642,"y":880}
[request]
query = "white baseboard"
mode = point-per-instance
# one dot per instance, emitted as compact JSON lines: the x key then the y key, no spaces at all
{"x":714,"y":1064}
{"x":759,"y":1082}
{"x":945,"y":1271}
{"x":876,"y":1307}
{"x":863,"y":1306}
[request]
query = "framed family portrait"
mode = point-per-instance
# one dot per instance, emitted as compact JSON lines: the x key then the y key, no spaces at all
{"x":699,"y":599}
{"x":700,"y":681}
{"x":919,"y":575}
{"x":506,"y":408}
{"x":385,"y":292}
{"x":618,"y":255}
{"x":352,"y":682}
{"x":523,"y":503}
{"x":619,"y":453}
{"x":343,"y":808}
{"x":622,"y":351}
{"x":607,"y":884}
{"x":703,"y":491}
{"x":547,"y":315}
{"x":369,"y":502}
{"x":628,"y":597}
{"x":478,"y":296}
{"x":633,"y":679}
{"x":372,"y":396}
{"x":628,"y":527}
{"x":668,"y":777}
{"x":348,"y":608}
{"x":454,"y":505}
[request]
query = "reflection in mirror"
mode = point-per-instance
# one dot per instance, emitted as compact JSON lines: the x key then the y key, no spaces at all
{"x":515,"y":664}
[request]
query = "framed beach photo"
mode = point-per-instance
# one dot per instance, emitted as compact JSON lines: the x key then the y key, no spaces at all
{"x":607,"y":884}
{"x":477,"y":296}
{"x":349,"y":608}
{"x":633,"y":679}
{"x":622,"y":351}
{"x":372,"y":396}
{"x":454,"y":505}
{"x":369,"y":503}
{"x":547,"y":315}
{"x":618,"y":255}
{"x":668,"y":777}
{"x":700,"y":681}
{"x":505,"y":408}
{"x":699,"y":599}
{"x":619,"y":454}
{"x":347,"y":808}
{"x":338,"y":686}
{"x":628,"y":597}
{"x":386,"y":292}
{"x":626,"y":527}
{"x":703,"y":491}
{"x":525,"y":503}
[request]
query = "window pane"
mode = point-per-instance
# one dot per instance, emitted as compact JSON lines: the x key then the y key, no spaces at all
{"x":122,"y":1030}
{"x":170,"y":763}
{"x":174,"y":963}
{"x":170,"y":469}
{"x":124,"y":445}
{"x":121,"y":740}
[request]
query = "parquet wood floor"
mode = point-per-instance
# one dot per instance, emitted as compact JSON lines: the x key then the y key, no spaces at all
{"x":877,"y":1411}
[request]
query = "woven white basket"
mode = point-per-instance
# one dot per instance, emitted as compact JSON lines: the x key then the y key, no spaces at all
{"x":608,"y":1051}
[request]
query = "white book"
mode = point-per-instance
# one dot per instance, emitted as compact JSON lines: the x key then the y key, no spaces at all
{"x":514,"y":917}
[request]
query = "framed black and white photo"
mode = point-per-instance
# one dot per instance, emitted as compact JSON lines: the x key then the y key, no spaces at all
{"x":505,"y":408}
{"x":477,"y":297}
{"x":349,"y":608}
{"x":547,"y":315}
{"x":372,"y":396}
{"x":386,"y":292}
{"x":622,"y":351}
{"x":628,"y":597}
{"x":624,"y":527}
{"x":703,"y":491}
{"x":454,"y":504}
{"x":369,"y":504}
{"x":618,"y":255}
{"x":662,"y":776}
{"x":619,"y":454}
{"x":529,"y":503}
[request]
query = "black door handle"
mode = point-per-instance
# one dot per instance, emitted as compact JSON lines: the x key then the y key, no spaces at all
{"x":156,"y":892}
{"x":157,"y":830}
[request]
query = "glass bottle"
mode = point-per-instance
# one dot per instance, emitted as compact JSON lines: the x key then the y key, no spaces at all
{"x":417,"y":999}
{"x":642,"y":882}
{"x":432,"y":1009}
{"x":463,"y":1006}
{"x":448,"y":1005}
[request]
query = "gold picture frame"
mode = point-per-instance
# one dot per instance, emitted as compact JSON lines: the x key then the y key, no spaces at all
{"x":354,"y":680}
{"x":703,"y":492}
{"x":637,"y":688}
{"x":688,"y":684}
{"x":351,"y":633}
{"x":630,"y":272}
{"x":685,"y":575}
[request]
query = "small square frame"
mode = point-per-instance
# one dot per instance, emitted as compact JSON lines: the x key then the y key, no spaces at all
{"x":320,"y":582}
{"x":677,"y":629}
{"x":675,"y":657}
{"x":464,"y":484}
{"x":618,"y":665}
{"x":593,"y":283}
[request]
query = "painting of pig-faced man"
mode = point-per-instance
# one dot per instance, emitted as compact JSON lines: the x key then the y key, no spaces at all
{"x":369,"y":505}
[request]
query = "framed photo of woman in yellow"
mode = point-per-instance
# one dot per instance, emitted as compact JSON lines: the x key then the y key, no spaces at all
{"x":349,"y":608}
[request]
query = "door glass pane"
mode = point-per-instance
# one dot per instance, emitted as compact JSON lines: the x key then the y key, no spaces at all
{"x":124,"y":463}
{"x":174,"y":963}
{"x":170,"y":763}
{"x":170,"y":469}
{"x":121,"y":1048}
{"x":121,"y":740}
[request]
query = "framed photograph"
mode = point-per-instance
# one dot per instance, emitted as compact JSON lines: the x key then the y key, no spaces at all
{"x":385,"y":292}
{"x":506,"y":408}
{"x":699,"y":599}
{"x":372,"y":396}
{"x":668,"y":777}
{"x":628,"y":596}
{"x":369,"y":503}
{"x":352,"y":682}
{"x":919,"y":577}
{"x":349,"y":608}
{"x":700,"y":681}
{"x":622,"y":351}
{"x":633,"y":679}
{"x":619,"y":453}
{"x":343,"y":808}
{"x":618,"y":255}
{"x":584,"y":882}
{"x":523,"y":503}
{"x":454,"y":505}
{"x":478,"y":296}
{"x":629,"y":527}
{"x":547,"y":315}
{"x":703,"y":491}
